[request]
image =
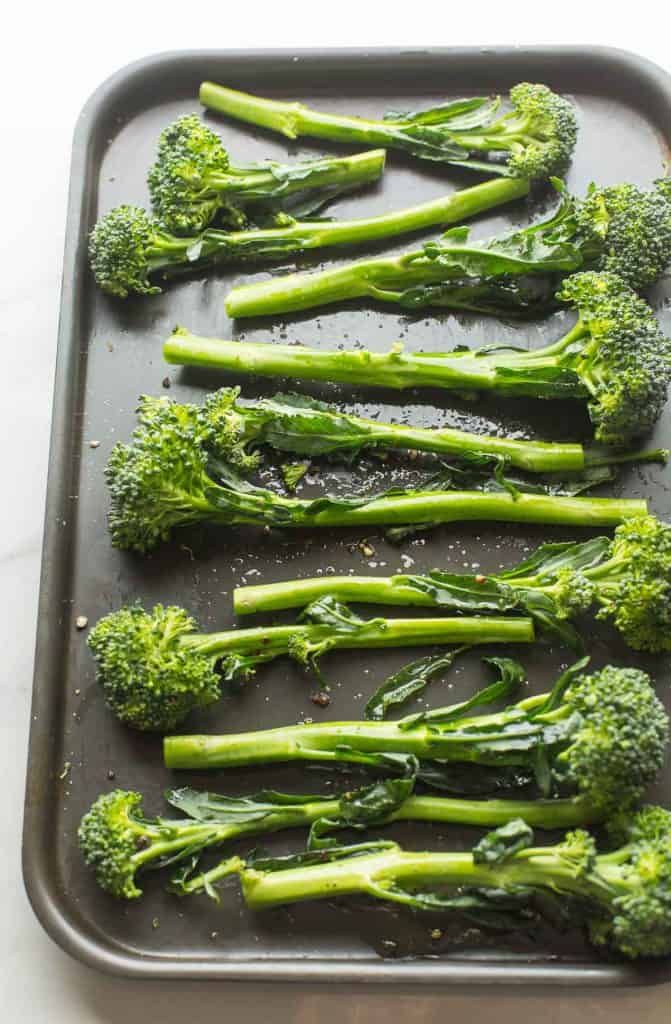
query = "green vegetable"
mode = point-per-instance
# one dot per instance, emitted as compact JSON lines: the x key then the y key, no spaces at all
{"x":193,"y":181}
{"x":302,"y":426}
{"x":536,"y":138}
{"x":619,"y":229}
{"x":171,"y":475}
{"x":603,"y":734}
{"x":623,"y":896}
{"x":155,"y":668}
{"x":128,"y":250}
{"x":628,"y":578}
{"x":119,"y":842}
{"x":615,"y":356}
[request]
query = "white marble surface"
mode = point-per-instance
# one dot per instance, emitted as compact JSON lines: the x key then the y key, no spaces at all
{"x":53,"y":57}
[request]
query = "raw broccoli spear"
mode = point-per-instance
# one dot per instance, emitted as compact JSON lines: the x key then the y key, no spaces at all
{"x":535,"y":139}
{"x":193,"y":181}
{"x":129,"y":250}
{"x":154,"y":668}
{"x":119,"y":842}
{"x":603,"y":735}
{"x":620,"y":229}
{"x":615,"y":356}
{"x":171,"y":476}
{"x":628,"y":578}
{"x":622,"y":897}
{"x":296,"y":424}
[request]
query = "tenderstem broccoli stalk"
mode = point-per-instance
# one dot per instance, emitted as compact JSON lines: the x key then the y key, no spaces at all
{"x":193,"y":180}
{"x":119,"y":842}
{"x":129,"y":251}
{"x":615,"y":356}
{"x":604,"y":735}
{"x":296,"y":424}
{"x":621,"y":896}
{"x":171,"y":476}
{"x":536,"y":136}
{"x":627,"y":577}
{"x":619,"y":229}
{"x":154,"y":668}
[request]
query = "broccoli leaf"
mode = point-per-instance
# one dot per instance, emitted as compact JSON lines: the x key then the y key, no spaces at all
{"x":410,"y":680}
{"x":501,"y":843}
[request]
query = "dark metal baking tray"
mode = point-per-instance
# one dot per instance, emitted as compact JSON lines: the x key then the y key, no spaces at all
{"x":110,"y":352}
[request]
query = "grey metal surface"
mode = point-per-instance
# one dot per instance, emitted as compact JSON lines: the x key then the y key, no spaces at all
{"x":109,"y":353}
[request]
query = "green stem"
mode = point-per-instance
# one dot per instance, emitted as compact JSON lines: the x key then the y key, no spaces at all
{"x":319,"y":173}
{"x":460,"y":506}
{"x":270,"y":597}
{"x":569,"y":812}
{"x":454,"y":371}
{"x":271,"y":641}
{"x":391,"y":872}
{"x":342,"y":741}
{"x":292,"y":119}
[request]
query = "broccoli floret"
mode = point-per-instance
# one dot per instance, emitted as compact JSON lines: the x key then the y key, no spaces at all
{"x":160,"y":480}
{"x":619,"y":353}
{"x":191,"y":160}
{"x":118,"y":841}
{"x":111,"y":835}
{"x":631,"y":231}
{"x":620,"y":744}
{"x":573,"y":593}
{"x":150,"y":678}
{"x":633,"y":587}
{"x":636,"y":917}
{"x":545,"y":130}
{"x":121,"y":248}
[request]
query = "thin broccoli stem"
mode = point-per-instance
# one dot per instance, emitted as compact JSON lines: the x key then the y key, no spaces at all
{"x":535,"y":457}
{"x":568,"y":812}
{"x":382,"y":278}
{"x":212,"y":246}
{"x":294,"y":119}
{"x":270,"y":641}
{"x":270,"y":597}
{"x":397,"y":369}
{"x":349,"y":170}
{"x":393,"y":874}
{"x":350,"y":742}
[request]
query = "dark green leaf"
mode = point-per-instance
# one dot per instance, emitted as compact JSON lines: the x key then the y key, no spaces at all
{"x":511,"y":675}
{"x":410,"y":680}
{"x":502,"y":843}
{"x":549,"y":559}
{"x":222,"y":809}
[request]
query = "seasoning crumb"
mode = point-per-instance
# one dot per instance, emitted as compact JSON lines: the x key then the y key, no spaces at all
{"x":480,"y":578}
{"x":110,"y":346}
{"x":166,"y":382}
{"x":154,"y":923}
{"x":111,"y":774}
{"x":66,"y":770}
{"x":94,"y":444}
{"x":214,"y":935}
{"x":321,"y":699}
{"x":77,"y":692}
{"x":81,"y":622}
{"x":389,"y":944}
{"x":436,"y":934}
{"x":366,"y":549}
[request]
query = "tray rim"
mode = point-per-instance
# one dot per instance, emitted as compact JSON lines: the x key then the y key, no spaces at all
{"x":47,"y":903}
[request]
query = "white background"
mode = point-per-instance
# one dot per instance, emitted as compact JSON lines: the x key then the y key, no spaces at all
{"x":52,"y":58}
